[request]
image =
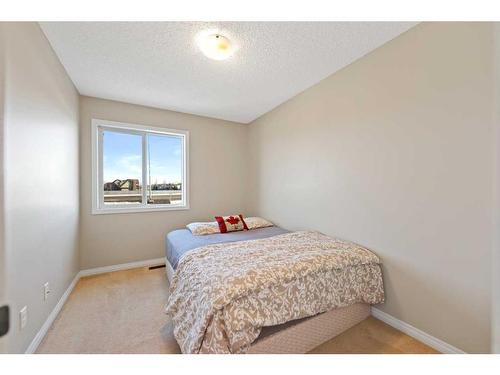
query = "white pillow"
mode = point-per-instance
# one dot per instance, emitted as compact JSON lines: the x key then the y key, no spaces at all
{"x":257,"y":222}
{"x":201,"y":229}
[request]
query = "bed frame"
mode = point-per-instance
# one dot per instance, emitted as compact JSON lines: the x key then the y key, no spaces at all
{"x":302,"y":335}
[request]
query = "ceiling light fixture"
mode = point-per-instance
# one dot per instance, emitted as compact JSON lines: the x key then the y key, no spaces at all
{"x":215,"y":46}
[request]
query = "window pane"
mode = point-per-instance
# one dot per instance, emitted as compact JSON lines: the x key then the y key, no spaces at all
{"x":165,"y":169}
{"x":122,"y":168}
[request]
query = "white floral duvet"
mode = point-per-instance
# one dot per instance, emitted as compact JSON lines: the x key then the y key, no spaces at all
{"x":223,"y":294}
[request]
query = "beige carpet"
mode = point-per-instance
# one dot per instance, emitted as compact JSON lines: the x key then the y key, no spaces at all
{"x":122,"y":312}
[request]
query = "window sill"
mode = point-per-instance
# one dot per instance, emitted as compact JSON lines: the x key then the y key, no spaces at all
{"x":126,"y":210}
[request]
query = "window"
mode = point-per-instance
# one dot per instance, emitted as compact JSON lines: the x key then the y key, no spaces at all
{"x":138,"y":168}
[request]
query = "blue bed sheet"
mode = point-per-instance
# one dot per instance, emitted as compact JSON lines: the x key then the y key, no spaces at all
{"x":180,"y":241}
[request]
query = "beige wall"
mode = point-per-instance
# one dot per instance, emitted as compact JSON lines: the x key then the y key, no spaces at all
{"x":394,"y":152}
{"x":40,"y":147}
{"x":216,"y":183}
{"x":495,"y":340}
{"x":3,"y":276}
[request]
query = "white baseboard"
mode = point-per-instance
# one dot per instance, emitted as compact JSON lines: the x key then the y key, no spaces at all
{"x":123,"y":266}
{"x":52,"y":316}
{"x":88,"y":272}
{"x":421,"y":336}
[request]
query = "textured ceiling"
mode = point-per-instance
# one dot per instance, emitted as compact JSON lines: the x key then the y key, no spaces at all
{"x":158,"y":64}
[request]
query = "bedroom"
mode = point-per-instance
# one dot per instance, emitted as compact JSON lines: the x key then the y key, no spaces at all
{"x":249,"y":187}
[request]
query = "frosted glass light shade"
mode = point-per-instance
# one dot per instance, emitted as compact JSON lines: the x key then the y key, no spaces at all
{"x":215,"y":46}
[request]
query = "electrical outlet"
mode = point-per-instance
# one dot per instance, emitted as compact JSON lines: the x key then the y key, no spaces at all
{"x":46,"y":291}
{"x":23,"y":317}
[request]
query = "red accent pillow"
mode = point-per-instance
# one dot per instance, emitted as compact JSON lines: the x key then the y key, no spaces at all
{"x":231,"y":223}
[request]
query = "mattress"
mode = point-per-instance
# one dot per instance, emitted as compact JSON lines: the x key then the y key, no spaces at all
{"x":179,"y":242}
{"x":224,"y":293}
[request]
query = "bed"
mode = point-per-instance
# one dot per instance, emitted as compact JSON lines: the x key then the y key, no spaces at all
{"x":213,"y":312}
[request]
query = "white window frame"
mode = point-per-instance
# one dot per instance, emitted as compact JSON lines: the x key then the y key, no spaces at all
{"x":98,"y":207}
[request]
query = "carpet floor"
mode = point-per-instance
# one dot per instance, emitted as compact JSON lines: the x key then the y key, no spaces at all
{"x":122,"y":312}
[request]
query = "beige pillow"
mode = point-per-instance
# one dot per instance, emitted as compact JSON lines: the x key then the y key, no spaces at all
{"x":201,"y":229}
{"x":257,"y":222}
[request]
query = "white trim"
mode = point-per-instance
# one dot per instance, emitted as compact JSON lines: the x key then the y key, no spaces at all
{"x":145,"y":179}
{"x":95,"y":160}
{"x":33,"y":346}
{"x":123,"y":266}
{"x":422,"y":336}
{"x":105,"y":211}
{"x":97,"y":178}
